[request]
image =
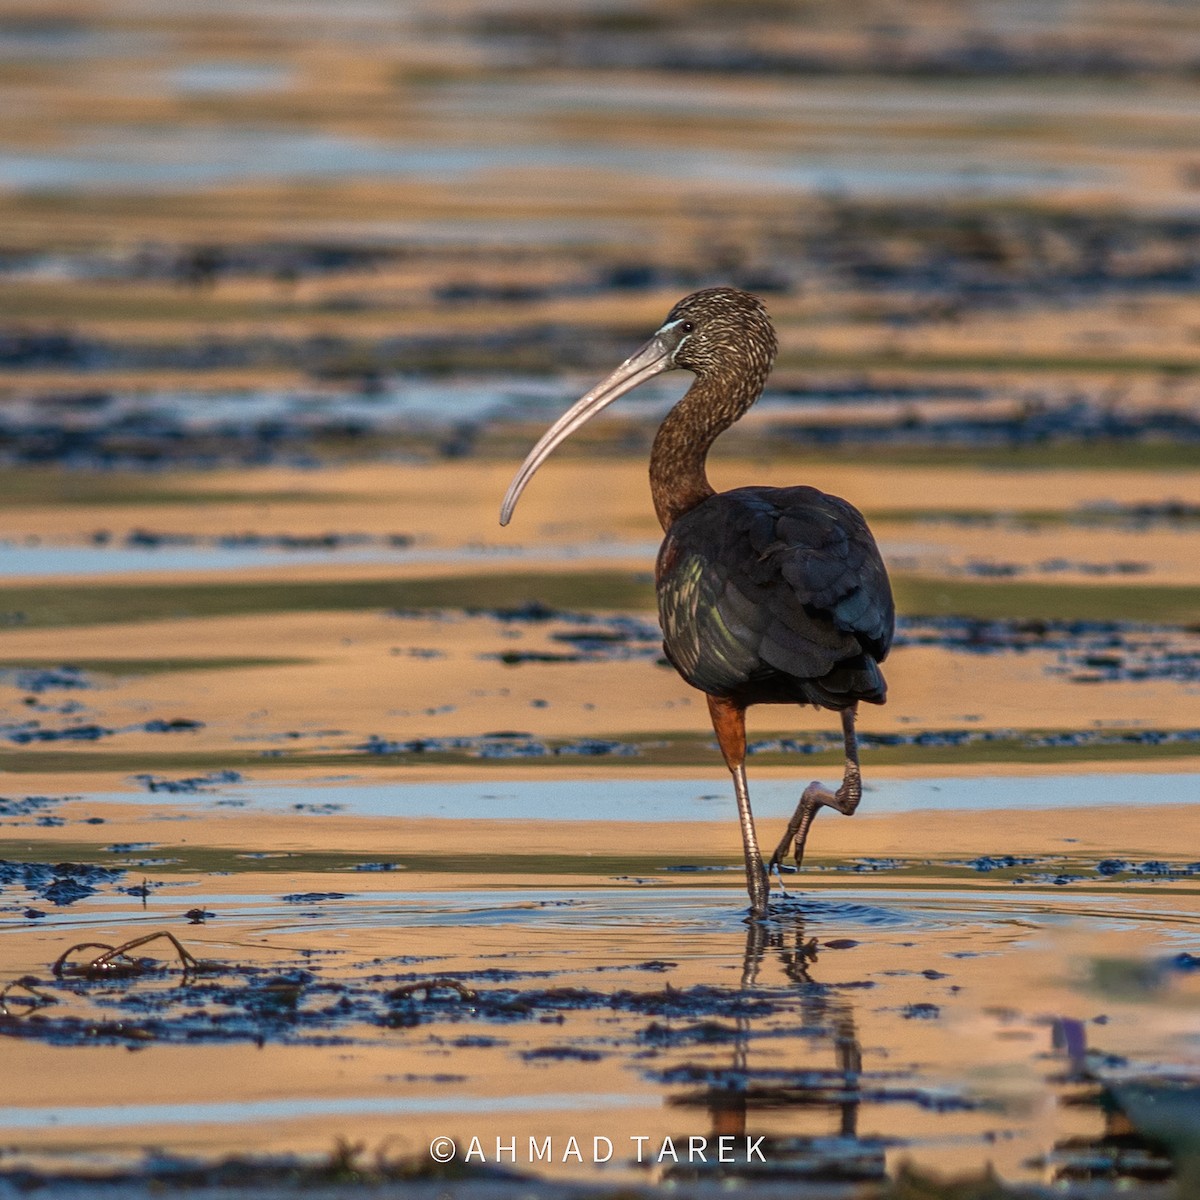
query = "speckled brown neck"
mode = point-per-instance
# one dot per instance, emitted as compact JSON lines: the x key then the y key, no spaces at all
{"x":678,"y":479}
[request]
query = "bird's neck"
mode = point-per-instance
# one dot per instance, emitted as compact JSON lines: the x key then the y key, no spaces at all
{"x":678,"y":479}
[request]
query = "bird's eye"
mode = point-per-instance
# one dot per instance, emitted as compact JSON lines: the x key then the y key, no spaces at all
{"x":688,"y":326}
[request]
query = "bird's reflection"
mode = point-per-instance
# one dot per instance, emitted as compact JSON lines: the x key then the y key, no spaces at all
{"x":737,"y":1095}
{"x":1148,"y":1128}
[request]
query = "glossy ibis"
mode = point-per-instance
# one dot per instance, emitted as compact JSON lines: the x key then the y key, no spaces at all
{"x":765,"y":595}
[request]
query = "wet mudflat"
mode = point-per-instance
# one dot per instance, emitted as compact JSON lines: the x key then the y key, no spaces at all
{"x":398,"y":978}
{"x":443,"y":847}
{"x":861,"y":1027}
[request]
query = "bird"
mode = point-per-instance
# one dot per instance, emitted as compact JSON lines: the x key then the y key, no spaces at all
{"x":766,"y":595}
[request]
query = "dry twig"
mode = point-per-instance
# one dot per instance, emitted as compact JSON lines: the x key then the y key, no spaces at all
{"x":114,"y":961}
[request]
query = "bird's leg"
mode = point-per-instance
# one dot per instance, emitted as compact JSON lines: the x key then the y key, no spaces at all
{"x":845,"y":799}
{"x":729,"y":722}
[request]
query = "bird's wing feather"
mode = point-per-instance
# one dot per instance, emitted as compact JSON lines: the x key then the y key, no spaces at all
{"x":763,"y":580}
{"x":709,"y":629}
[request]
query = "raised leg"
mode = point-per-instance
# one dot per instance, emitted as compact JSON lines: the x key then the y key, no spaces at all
{"x":729,"y":722}
{"x":845,"y":799}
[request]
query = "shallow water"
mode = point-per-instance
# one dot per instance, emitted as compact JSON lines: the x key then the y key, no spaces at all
{"x":228,"y":77}
{"x":684,"y":800}
{"x":196,"y":157}
{"x":50,"y":560}
{"x":931,"y":1011}
{"x":935,"y":1029}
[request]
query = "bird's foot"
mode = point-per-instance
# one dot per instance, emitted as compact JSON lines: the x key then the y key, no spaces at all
{"x":796,"y":835}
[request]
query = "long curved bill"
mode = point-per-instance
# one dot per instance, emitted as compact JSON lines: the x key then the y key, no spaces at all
{"x":653,"y":358}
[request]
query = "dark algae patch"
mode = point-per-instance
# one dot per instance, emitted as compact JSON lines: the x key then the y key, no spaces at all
{"x":29,"y":732}
{"x":191,"y":786}
{"x":61,"y":884}
{"x":81,"y":668}
{"x":819,"y":749}
{"x":1166,"y":514}
{"x":216,"y":1001}
{"x":1086,"y":650}
{"x":99,"y":993}
{"x":95,"y":869}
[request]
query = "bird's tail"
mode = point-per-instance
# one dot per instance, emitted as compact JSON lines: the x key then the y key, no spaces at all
{"x":852,"y":681}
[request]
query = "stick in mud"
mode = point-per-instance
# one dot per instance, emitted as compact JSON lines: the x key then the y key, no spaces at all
{"x":105,"y":965}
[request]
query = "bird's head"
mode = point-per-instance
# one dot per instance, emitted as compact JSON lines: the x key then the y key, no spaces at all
{"x":721,"y":334}
{"x":721,"y":331}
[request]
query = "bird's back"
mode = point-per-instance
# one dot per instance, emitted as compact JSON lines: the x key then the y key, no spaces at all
{"x":776,"y":594}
